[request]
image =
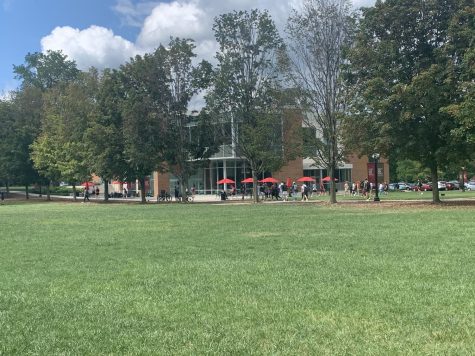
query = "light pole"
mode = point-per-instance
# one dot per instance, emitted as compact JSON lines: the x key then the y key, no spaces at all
{"x":463,"y":179}
{"x":376,"y":157}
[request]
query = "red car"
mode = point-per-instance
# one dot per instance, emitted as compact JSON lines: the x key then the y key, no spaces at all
{"x":424,"y":187}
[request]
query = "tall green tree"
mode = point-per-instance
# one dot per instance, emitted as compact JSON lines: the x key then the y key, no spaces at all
{"x":145,"y":82}
{"x":69,"y":110}
{"x":462,"y":49}
{"x":317,"y":37}
{"x":7,"y":145}
{"x":189,"y":139}
{"x":44,"y":72}
{"x":404,"y":73}
{"x":245,"y":97}
{"x":28,"y":105}
{"x":105,"y":135}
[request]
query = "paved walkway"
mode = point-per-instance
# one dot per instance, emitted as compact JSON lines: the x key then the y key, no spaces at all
{"x":238,"y":199}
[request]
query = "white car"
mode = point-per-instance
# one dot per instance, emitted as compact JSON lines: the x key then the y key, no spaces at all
{"x":441,"y":185}
{"x":470,"y":185}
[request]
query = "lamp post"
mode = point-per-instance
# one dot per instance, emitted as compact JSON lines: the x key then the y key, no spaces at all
{"x":463,"y":179}
{"x":376,"y":157}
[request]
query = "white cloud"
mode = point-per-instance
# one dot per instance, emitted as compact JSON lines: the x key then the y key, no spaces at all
{"x":178,"y":19}
{"x":95,"y":46}
{"x":99,"y":47}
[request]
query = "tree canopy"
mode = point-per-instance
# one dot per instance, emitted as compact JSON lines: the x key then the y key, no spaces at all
{"x":317,"y":37}
{"x":404,"y":70}
{"x":246,"y":95}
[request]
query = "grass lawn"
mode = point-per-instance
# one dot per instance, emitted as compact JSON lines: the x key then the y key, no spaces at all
{"x":408,"y":195}
{"x":236,"y":279}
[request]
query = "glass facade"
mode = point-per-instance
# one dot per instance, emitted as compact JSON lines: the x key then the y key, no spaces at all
{"x":342,"y":174}
{"x":205,"y":179}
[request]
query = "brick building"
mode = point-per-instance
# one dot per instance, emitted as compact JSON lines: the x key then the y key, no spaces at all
{"x":226,"y":164}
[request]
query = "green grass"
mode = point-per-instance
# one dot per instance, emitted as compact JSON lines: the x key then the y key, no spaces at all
{"x":236,"y":279}
{"x":409,"y":195}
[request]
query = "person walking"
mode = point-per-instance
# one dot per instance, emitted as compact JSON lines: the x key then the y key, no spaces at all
{"x":86,"y":194}
{"x":193,"y":193}
{"x":125,"y":193}
{"x":177,"y":193}
{"x":304,"y":191}
{"x":285,"y":193}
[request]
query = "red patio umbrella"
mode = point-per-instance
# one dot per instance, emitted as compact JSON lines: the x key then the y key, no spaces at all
{"x":328,"y":178}
{"x":248,"y":180}
{"x":226,"y":181}
{"x":269,"y":180}
{"x":306,"y":179}
{"x":87,"y":184}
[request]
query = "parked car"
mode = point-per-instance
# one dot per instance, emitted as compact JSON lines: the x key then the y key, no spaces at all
{"x":470,"y":185}
{"x":426,"y":187}
{"x":404,"y":186}
{"x":441,"y":185}
{"x":453,"y":185}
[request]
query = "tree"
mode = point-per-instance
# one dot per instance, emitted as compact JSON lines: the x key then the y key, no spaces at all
{"x":45,"y":72}
{"x":462,"y":33}
{"x":62,"y":151}
{"x":144,"y":109}
{"x":317,"y":37}
{"x":6,"y":141}
{"x":105,"y":134}
{"x":189,"y":139}
{"x":403,"y":70}
{"x":411,"y":171}
{"x":245,"y":98}
{"x":28,"y":106}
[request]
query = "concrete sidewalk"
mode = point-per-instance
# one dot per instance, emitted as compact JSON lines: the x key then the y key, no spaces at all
{"x":92,"y":198}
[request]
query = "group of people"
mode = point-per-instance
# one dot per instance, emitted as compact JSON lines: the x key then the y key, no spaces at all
{"x":189,"y":194}
{"x":283,"y":192}
{"x":95,"y":192}
{"x":364,"y":188}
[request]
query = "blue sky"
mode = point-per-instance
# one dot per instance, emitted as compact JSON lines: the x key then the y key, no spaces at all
{"x":106,"y":33}
{"x":24,"y":22}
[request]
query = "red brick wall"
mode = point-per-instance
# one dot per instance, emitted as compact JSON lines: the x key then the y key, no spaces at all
{"x":360,"y":167}
{"x":161,"y":181}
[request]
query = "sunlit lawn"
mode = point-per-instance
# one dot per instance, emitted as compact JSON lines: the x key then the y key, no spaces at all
{"x":236,"y":279}
{"x":408,"y":195}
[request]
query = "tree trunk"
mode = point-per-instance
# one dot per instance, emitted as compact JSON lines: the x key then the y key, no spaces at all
{"x":333,"y":156}
{"x":254,"y":188}
{"x":332,"y":185}
{"x":142,"y":190}
{"x":435,"y":185}
{"x":74,"y":193}
{"x":48,"y":192}
{"x":7,"y":186}
{"x":106,"y":190}
{"x":183,"y":186}
{"x":27,"y":192}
